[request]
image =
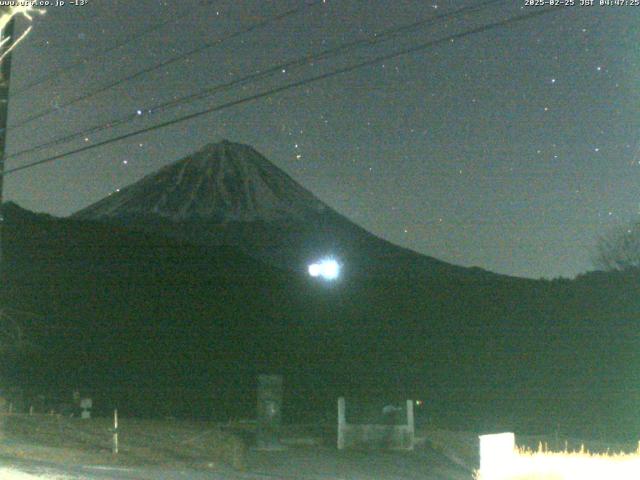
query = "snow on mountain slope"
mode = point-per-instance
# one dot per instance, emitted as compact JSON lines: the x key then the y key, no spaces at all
{"x":223,"y":182}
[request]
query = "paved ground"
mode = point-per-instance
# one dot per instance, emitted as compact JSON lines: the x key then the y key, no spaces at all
{"x":303,"y":463}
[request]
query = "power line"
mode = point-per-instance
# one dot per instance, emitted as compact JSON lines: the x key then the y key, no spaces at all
{"x":95,"y":55}
{"x":298,"y":83}
{"x":379,"y":37}
{"x":157,"y":66}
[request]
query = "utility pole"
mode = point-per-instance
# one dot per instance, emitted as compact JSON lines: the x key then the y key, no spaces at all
{"x":7,"y":43}
{"x":5,"y":75}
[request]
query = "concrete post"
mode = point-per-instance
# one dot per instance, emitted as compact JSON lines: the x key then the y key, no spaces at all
{"x":342,"y":422}
{"x":269,"y":412}
{"x":411,"y":426}
{"x":85,"y":406}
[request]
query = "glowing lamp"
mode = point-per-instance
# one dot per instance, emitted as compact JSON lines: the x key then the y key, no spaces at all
{"x":327,"y":269}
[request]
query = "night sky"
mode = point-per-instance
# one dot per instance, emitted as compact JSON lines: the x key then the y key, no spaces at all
{"x":510,"y":149}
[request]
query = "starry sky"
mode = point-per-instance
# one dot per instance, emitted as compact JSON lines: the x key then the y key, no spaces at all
{"x":510,"y":149}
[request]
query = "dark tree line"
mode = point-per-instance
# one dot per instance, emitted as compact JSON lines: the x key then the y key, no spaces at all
{"x":619,"y":249}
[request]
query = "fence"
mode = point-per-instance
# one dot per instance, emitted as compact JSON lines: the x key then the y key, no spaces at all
{"x":395,"y":437}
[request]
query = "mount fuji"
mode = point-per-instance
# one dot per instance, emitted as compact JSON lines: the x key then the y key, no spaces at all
{"x":229,"y":194}
{"x":222,"y":183}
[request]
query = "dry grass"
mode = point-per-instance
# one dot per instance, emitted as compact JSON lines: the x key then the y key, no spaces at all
{"x":536,"y":462}
{"x":141,"y":442}
{"x":527,"y":464}
{"x":10,"y":474}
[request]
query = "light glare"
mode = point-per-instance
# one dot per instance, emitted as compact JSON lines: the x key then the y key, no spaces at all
{"x":6,"y":14}
{"x":314,"y":269}
{"x":500,"y":459}
{"x":328,"y":269}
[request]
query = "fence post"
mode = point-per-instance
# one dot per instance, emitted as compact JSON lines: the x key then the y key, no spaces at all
{"x":496,"y":454}
{"x":411,"y":424}
{"x":342,"y":421}
{"x":269,"y":412}
{"x":115,"y":431}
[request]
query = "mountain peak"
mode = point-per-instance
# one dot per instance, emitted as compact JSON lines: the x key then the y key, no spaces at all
{"x":222,"y":182}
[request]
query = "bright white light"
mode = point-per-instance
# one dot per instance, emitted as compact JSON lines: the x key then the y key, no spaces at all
{"x":328,"y":269}
{"x":331,"y":269}
{"x":10,"y":474}
{"x":501,"y":459}
{"x":315,"y":269}
{"x":6,"y":14}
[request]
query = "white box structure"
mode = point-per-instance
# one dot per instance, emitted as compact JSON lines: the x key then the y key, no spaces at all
{"x":497,"y":452}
